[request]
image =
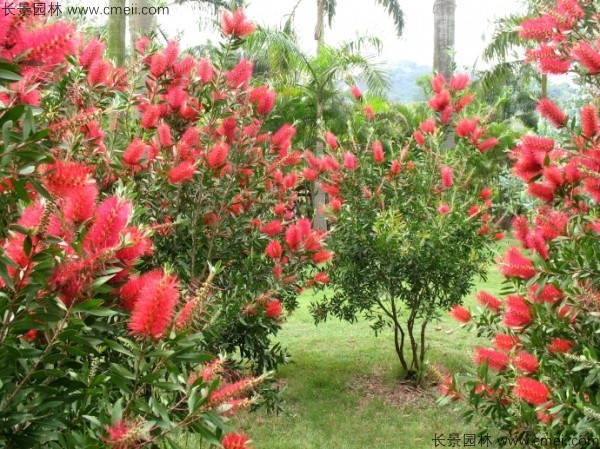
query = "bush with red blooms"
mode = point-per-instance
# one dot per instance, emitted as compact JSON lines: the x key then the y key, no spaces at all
{"x":100,"y":345}
{"x":411,"y":222}
{"x":540,"y":372}
{"x":199,"y":155}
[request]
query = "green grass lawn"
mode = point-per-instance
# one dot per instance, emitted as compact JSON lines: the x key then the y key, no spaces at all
{"x":343,"y":389}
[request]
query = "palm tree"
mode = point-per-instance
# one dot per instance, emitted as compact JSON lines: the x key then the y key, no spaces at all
{"x":116,"y":32}
{"x":443,"y":36}
{"x":329,"y":8}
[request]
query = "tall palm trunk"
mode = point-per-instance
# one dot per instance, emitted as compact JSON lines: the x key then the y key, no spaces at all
{"x":318,"y":196}
{"x":116,"y":32}
{"x":141,"y":25}
{"x":443,"y":35}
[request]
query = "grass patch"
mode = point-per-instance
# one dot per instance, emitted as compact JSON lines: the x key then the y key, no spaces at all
{"x":343,"y":390}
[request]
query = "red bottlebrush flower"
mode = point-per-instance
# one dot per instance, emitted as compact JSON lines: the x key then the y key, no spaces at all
{"x":514,"y":264}
{"x":322,"y":257}
{"x":427,"y":126}
{"x":499,"y":236}
{"x":549,"y":294}
{"x":335,"y":204}
{"x":331,"y":140}
{"x":487,"y":144}
{"x":293,"y":237}
{"x":419,"y":138}
{"x":440,"y":100}
{"x":496,"y":360}
{"x":235,"y":441}
{"x":395,"y":167}
{"x":310,"y":174}
{"x":474,"y":210}
{"x":282,"y":139}
{"x":378,"y":154}
{"x":518,"y":313}
{"x":236,"y":24}
{"x":444,"y":209}
{"x":151,"y":116}
{"x":459,"y":81}
{"x":506,"y":342}
{"x":447,"y":175}
{"x":350,"y":161}
{"x":263,"y":98}
{"x":137,"y":152}
{"x":329,"y":189}
{"x":181,"y":172}
{"x":539,"y":28}
{"x":121,"y":435}
{"x":526,"y":362}
{"x":206,"y":71}
{"x":290,"y":181}
{"x":158,"y":65}
{"x":531,"y":390}
{"x":486,"y":193}
{"x":79,"y":203}
{"x":274,"y":309}
{"x":111,"y":217}
{"x":50,"y":44}
{"x":466,"y":127}
{"x":587,"y":56}
{"x":321,"y":278}
{"x":490,"y":301}
{"x":542,"y":190}
{"x":356,"y":92}
{"x":141,"y":44}
{"x":165,"y":137}
{"x":554,"y":65}
{"x":272,"y":228}
{"x":274,"y":250}
{"x":313,"y":242}
{"x":438,"y":82}
{"x":171,"y":53}
{"x":130,"y":291}
{"x":460,"y":314}
{"x":91,"y":53}
{"x":100,"y":72}
{"x":176,"y":96}
{"x":560,"y":345}
{"x":463,"y":103}
{"x":217,"y":155}
{"x":154,"y":309}
{"x":551,"y":112}
{"x":64,"y":177}
{"x":589,"y":121}
{"x":369,"y":112}
{"x":140,"y":245}
{"x":239,"y":76}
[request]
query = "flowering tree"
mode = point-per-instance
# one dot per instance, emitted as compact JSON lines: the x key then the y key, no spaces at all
{"x":100,"y":342}
{"x":222,"y":188}
{"x":411,"y":223}
{"x":540,"y":373}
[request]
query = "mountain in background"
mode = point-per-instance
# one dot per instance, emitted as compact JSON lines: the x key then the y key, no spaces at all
{"x":404,"y":88}
{"x":403,"y":77}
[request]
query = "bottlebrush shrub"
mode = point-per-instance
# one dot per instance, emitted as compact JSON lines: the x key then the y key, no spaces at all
{"x":198,"y":155}
{"x":540,"y":372}
{"x":93,"y":352}
{"x":411,"y":224}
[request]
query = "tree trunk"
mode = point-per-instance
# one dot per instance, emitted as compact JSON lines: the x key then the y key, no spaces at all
{"x":116,"y":33}
{"x":443,"y":35}
{"x":320,"y":27}
{"x":141,"y":25}
{"x":319,"y":198}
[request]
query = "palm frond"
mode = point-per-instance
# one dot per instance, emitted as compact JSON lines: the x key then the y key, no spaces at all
{"x":330,"y":10}
{"x":505,"y":39}
{"x":394,"y":10}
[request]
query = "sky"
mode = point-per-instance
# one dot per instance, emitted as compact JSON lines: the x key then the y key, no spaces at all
{"x":474,"y":21}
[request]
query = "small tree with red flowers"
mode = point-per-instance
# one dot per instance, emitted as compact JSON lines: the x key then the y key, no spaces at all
{"x":411,"y":223}
{"x":540,"y":373}
{"x":99,"y":344}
